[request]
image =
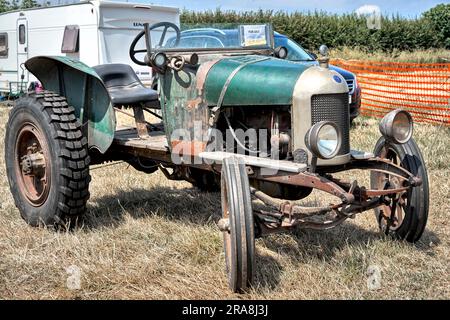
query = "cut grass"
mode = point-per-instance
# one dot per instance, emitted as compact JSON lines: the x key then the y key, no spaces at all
{"x":146,"y":237}
{"x":417,"y":56}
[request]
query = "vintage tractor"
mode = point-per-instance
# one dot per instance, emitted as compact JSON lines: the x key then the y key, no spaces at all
{"x":234,"y":117}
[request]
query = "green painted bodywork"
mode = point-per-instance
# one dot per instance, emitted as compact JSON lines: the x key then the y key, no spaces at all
{"x":187,"y":102}
{"x":184,"y":105}
{"x":267,"y":82}
{"x":84,"y":91}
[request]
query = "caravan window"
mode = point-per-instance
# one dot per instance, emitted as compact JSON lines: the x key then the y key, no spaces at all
{"x":3,"y":45}
{"x":70,"y":39}
{"x":22,"y":34}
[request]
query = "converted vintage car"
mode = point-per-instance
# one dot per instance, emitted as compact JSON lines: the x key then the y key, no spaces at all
{"x":214,"y":37}
{"x":262,"y":128}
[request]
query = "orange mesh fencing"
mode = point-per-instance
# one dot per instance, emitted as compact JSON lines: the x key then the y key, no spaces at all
{"x":423,"y":89}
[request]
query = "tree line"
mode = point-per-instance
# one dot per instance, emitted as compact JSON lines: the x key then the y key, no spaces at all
{"x":311,"y":29}
{"x":6,"y":5}
{"x":430,"y":30}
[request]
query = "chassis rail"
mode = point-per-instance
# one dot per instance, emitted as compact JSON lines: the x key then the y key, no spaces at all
{"x":285,"y":215}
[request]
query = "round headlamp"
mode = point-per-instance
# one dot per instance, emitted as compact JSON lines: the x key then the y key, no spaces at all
{"x":397,"y":126}
{"x":281,"y":52}
{"x":323,"y":139}
{"x":160,"y":60}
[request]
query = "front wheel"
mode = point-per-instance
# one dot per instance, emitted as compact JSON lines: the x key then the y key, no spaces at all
{"x":239,"y":238}
{"x":407,"y":216}
{"x":47,"y":160}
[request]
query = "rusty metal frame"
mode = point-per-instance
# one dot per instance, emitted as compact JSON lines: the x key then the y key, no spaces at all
{"x":286,"y":214}
{"x":364,"y":194}
{"x":141,"y":124}
{"x":374,"y":164}
{"x":354,"y":199}
{"x":322,"y":180}
{"x":311,"y":180}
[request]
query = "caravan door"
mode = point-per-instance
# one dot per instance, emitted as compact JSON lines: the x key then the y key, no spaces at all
{"x":22,"y":49}
{"x":120,"y":22}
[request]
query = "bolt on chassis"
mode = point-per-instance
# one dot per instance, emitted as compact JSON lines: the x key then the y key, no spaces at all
{"x":233,"y":90}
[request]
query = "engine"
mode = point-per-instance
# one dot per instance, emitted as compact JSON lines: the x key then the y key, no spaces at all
{"x":263,"y":131}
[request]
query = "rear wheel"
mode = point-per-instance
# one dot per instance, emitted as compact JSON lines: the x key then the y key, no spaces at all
{"x":239,"y":240}
{"x":407,"y":215}
{"x":47,"y":160}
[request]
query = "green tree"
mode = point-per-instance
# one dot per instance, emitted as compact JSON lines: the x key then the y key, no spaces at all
{"x":439,"y":19}
{"x":29,"y":4}
{"x":14,"y":5}
{"x":4,"y":6}
{"x":311,"y":29}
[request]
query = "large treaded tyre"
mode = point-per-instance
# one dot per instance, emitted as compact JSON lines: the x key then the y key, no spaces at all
{"x":239,"y":241}
{"x":47,"y":160}
{"x":411,"y":213}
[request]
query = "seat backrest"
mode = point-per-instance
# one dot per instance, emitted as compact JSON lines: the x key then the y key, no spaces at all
{"x":116,"y":75}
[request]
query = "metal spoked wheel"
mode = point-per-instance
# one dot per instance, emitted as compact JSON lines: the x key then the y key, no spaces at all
{"x":391,"y":216}
{"x":406,"y":216}
{"x":239,"y":236}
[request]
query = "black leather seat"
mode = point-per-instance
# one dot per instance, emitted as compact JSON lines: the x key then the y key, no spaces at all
{"x":124,"y":86}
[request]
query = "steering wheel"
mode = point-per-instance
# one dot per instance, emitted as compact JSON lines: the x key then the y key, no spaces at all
{"x":146,"y":32}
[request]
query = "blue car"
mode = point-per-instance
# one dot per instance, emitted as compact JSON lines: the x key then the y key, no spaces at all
{"x":214,"y":38}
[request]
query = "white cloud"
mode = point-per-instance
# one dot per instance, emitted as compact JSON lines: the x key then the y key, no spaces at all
{"x":372,"y":13}
{"x":368,"y":9}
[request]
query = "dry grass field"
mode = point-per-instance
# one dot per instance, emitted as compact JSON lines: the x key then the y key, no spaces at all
{"x":417,"y":56}
{"x":145,"y":237}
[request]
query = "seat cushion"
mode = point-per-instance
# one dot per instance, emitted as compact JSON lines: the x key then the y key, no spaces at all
{"x":132,"y":94}
{"x":124,"y":86}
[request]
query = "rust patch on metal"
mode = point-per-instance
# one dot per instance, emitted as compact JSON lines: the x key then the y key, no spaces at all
{"x":141,"y":124}
{"x":187,"y":148}
{"x":194,"y":103}
{"x":203,"y":72}
{"x":32,"y":165}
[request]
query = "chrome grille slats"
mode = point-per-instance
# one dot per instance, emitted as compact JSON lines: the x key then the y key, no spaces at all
{"x":351,"y":85}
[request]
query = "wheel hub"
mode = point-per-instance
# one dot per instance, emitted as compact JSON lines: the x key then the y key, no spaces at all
{"x":34,"y":162}
{"x":31,"y":165}
{"x":224,"y":224}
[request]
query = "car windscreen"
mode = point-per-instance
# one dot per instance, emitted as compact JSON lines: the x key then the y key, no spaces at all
{"x":295,"y":51}
{"x":222,"y":37}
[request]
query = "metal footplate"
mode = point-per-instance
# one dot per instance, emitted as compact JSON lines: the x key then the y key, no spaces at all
{"x":217,"y":157}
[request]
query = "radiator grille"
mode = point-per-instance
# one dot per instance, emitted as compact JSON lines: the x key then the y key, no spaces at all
{"x":333,"y":107}
{"x":351,"y":85}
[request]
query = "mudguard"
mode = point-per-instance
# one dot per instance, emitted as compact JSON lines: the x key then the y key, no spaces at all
{"x":84,"y":90}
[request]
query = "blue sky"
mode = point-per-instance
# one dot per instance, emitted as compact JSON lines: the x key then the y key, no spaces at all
{"x":408,"y":8}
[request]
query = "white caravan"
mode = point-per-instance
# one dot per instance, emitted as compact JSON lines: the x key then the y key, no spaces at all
{"x":94,"y":32}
